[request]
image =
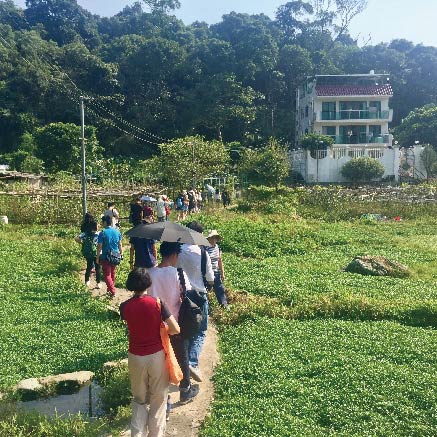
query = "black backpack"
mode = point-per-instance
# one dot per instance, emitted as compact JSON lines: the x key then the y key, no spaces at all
{"x":190,"y":312}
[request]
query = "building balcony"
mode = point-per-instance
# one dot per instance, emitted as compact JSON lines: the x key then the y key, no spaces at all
{"x":355,"y":115}
{"x":361,"y":139}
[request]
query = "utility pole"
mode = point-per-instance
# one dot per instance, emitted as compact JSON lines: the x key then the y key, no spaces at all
{"x":82,"y":120}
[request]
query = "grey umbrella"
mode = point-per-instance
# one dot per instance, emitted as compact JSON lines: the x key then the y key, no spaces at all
{"x":168,"y":231}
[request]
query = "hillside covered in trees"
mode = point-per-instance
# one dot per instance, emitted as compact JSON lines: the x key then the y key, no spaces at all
{"x":148,"y":77}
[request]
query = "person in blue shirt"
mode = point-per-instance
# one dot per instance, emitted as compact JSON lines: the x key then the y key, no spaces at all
{"x":108,"y":240}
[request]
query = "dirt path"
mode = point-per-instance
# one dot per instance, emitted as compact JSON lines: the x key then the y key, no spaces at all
{"x":185,"y":420}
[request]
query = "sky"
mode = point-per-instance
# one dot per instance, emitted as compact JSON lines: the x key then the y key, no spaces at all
{"x":383,"y":20}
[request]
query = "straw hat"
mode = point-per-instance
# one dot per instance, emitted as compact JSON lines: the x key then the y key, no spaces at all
{"x":213,"y":233}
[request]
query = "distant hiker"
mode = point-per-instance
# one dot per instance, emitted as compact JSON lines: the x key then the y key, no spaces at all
{"x":192,"y":202}
{"x":179,"y":204}
{"x":88,"y":239}
{"x":217,"y":266}
{"x":185,"y":205}
{"x":217,"y":197}
{"x":167,"y":209}
{"x":148,"y":374}
{"x":226,"y":198}
{"x":191,"y":260}
{"x":160,"y":209}
{"x":147,"y":213}
{"x":109,"y":252}
{"x":136,"y":212}
{"x":113,"y":213}
{"x":166,"y":285}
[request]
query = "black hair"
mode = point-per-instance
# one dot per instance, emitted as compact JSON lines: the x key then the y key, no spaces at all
{"x":138,"y":280}
{"x":167,"y":249}
{"x":110,"y":204}
{"x":89,"y":223}
{"x":195,"y":226}
{"x":107,"y":220}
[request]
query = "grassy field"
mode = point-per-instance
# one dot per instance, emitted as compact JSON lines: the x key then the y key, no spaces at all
{"x":307,"y":349}
{"x":311,"y":350}
{"x":49,"y":322}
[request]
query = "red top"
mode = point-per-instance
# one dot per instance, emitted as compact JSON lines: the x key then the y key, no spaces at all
{"x":143,"y":321}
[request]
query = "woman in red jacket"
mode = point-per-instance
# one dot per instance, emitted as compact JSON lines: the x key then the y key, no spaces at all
{"x":146,"y":358}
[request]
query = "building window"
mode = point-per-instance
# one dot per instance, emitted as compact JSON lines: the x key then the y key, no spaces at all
{"x":329,"y":130}
{"x":353,"y":110}
{"x":374,"y":110}
{"x":306,"y":111}
{"x":306,"y":131}
{"x":375,"y":134}
{"x":353,"y":135}
{"x":329,"y":111}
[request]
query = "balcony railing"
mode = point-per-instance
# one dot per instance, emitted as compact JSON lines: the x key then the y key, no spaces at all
{"x":352,"y":114}
{"x":361,"y":139}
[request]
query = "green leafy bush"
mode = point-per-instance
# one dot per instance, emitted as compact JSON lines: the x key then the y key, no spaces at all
{"x":362,"y":169}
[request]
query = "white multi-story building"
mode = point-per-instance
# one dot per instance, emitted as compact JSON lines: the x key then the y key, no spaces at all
{"x":352,"y":109}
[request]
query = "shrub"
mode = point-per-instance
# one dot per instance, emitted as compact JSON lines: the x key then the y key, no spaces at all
{"x":362,"y":169}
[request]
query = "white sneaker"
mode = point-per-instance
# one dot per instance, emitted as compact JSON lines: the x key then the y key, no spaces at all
{"x":87,"y":283}
{"x":99,"y":285}
{"x":196,"y":374}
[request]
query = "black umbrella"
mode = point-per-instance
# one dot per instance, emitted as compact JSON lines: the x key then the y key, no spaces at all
{"x":168,"y":231}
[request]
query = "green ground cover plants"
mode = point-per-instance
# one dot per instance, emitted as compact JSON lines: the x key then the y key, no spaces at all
{"x":310,"y":350}
{"x":324,"y":377}
{"x":49,"y":322}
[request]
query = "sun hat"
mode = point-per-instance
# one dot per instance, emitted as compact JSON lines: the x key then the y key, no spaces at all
{"x":213,"y":233}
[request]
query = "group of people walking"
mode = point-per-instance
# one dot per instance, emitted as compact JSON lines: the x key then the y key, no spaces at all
{"x":159,"y":288}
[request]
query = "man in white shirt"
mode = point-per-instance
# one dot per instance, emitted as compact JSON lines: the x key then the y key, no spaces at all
{"x":190,"y":260}
{"x":166,"y":286}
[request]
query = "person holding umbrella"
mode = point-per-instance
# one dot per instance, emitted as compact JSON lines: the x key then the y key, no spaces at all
{"x":192,"y":266}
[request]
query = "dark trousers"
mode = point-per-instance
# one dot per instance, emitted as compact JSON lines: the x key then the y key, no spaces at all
{"x":180,"y":347}
{"x":219,"y":289}
{"x":90,"y":264}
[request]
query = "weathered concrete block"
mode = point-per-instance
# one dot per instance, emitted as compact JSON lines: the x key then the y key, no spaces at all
{"x":29,"y":389}
{"x":67,"y":383}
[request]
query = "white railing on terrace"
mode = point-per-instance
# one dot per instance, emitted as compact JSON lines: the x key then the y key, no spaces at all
{"x":340,"y":152}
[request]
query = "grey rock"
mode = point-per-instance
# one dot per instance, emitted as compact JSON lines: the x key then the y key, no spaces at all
{"x":377,"y":266}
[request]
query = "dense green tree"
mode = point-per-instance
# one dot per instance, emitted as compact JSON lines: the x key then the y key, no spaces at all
{"x":429,"y":160}
{"x":315,"y":141}
{"x":59,"y":146}
{"x":267,"y":166}
{"x":162,"y":5}
{"x":63,"y":20}
{"x":234,"y":80}
{"x":420,"y":125}
{"x":185,"y":162}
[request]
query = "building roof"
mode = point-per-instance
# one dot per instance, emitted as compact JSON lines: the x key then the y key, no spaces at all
{"x":354,"y":90}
